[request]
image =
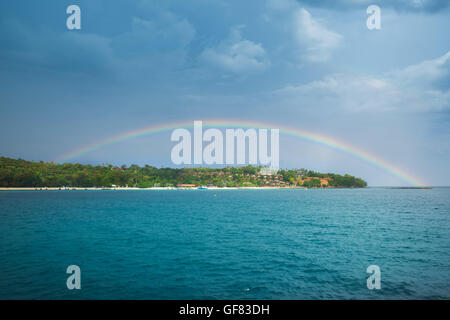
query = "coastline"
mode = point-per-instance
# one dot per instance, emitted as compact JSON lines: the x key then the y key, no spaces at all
{"x":153,"y":188}
{"x":187,"y":188}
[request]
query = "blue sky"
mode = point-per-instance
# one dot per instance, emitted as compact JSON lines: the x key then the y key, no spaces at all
{"x":313,"y":65}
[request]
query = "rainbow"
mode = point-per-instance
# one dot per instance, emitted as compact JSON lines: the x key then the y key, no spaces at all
{"x":306,"y":135}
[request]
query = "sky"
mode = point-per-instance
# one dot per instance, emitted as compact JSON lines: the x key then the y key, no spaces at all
{"x":311,"y":65}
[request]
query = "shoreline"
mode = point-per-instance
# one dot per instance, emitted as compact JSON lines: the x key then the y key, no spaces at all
{"x":153,"y":188}
{"x":189,"y":188}
{"x":193,"y":188}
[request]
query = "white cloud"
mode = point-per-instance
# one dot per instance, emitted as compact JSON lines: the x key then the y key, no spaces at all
{"x":236,"y":54}
{"x":417,"y":88}
{"x":312,"y":41}
{"x":426,"y":72}
{"x":316,"y":40}
{"x":339,"y":91}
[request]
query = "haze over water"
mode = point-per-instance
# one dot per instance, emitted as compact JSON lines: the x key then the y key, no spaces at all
{"x":226,"y":244}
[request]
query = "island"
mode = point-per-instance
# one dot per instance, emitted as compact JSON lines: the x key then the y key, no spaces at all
{"x":19,"y":173}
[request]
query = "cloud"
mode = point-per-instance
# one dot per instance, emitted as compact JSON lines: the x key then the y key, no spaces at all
{"x":148,"y":44}
{"x":281,"y":5}
{"x":317,"y":42}
{"x":236,"y":54}
{"x":68,"y":51}
{"x":155,"y":46}
{"x":423,"y":87}
{"x":311,"y":41}
{"x":346,"y":93}
{"x":164,"y":32}
{"x":428,"y":72}
{"x":429,"y":6}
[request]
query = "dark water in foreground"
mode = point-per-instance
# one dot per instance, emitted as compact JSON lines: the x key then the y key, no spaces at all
{"x":228,"y":244}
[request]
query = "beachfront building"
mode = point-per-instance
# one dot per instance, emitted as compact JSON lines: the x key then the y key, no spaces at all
{"x":267,"y":171}
{"x":186,"y":185}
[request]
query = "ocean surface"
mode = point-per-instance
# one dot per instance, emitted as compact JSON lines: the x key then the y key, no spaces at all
{"x":225,"y":244}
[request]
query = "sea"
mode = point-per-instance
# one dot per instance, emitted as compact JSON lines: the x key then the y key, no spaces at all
{"x":226,"y":244}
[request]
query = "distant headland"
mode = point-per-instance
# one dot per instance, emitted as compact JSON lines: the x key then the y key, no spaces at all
{"x":18,"y":173}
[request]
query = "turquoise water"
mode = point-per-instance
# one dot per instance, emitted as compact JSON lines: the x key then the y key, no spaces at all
{"x":227,"y":244}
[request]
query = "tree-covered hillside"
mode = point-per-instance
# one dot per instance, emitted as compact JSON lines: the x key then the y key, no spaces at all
{"x":21,"y":173}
